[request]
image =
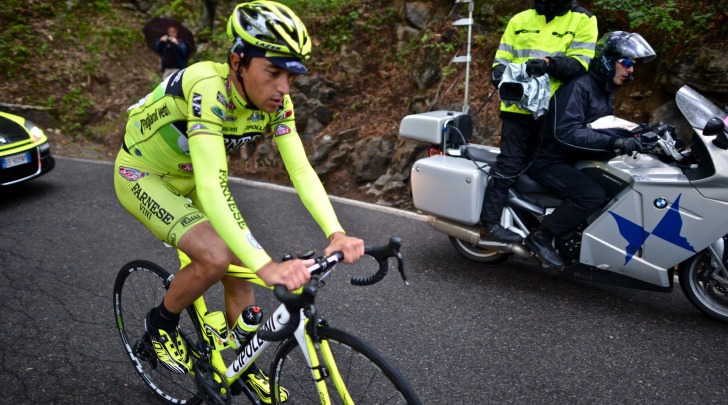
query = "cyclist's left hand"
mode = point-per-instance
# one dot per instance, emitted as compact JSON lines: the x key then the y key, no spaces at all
{"x":351,"y":247}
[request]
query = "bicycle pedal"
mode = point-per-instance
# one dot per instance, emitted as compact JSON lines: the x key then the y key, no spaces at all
{"x":143,"y":349}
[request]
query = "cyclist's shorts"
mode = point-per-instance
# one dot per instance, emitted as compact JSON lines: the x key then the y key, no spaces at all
{"x":165,"y":204}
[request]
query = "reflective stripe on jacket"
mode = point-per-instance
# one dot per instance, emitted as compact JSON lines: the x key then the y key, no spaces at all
{"x":568,"y":40}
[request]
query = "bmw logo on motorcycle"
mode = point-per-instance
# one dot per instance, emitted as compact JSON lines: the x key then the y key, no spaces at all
{"x":660,"y":202}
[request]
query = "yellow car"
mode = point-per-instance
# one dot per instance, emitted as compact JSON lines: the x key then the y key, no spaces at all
{"x":24,"y":150}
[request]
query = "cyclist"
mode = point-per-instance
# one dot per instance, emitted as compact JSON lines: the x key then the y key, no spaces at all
{"x":172,"y":173}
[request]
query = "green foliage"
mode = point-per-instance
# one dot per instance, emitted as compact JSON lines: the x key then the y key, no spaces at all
{"x":75,"y":37}
{"x":14,"y":50}
{"x":671,"y":26}
{"x":337,"y":30}
{"x":180,"y":10}
{"x":74,"y":111}
{"x":93,"y":6}
{"x":314,"y":7}
{"x":448,"y":47}
{"x":447,"y":71}
{"x":17,"y":40}
{"x":363,"y":104}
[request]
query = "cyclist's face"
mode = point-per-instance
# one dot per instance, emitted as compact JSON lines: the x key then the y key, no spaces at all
{"x":266,"y":83}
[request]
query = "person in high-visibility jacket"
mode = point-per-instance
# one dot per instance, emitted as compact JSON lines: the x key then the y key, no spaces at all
{"x":554,"y":37}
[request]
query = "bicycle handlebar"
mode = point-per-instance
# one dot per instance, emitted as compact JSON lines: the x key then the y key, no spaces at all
{"x":295,"y":302}
{"x":381,"y":254}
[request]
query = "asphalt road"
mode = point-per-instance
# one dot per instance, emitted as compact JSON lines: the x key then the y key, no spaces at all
{"x":463,"y":333}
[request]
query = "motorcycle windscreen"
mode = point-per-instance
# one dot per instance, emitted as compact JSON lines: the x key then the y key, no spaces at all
{"x":696,"y":108}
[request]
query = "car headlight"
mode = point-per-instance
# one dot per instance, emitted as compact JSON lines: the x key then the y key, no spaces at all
{"x":36,"y":134}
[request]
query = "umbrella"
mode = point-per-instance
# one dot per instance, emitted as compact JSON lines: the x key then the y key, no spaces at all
{"x":157,"y":27}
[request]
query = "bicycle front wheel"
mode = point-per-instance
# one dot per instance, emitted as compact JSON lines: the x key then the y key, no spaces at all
{"x":140,"y":286}
{"x":368,"y":378}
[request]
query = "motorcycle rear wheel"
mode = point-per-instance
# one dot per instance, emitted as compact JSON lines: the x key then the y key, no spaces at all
{"x":477,"y":253}
{"x":705,"y":285}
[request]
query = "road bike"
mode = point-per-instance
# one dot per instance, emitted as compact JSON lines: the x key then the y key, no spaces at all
{"x":315,"y":363}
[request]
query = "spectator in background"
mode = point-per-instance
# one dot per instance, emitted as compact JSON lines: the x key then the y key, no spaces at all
{"x":173,"y":51}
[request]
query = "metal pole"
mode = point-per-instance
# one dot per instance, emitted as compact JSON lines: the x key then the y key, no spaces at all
{"x":469,"y":22}
{"x":466,"y":104}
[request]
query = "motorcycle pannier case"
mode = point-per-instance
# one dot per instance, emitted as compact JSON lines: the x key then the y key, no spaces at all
{"x":449,"y":187}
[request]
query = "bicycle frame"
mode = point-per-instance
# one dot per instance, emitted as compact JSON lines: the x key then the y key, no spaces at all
{"x":256,"y":346}
{"x":306,"y":341}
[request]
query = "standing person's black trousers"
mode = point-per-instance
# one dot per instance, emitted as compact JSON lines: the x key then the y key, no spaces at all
{"x":519,"y":140}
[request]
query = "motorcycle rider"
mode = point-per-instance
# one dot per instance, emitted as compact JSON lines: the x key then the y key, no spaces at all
{"x":555,"y":37}
{"x":567,"y":138}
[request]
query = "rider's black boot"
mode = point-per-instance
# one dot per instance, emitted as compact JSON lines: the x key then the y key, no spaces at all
{"x":490,"y":231}
{"x":540,"y":242}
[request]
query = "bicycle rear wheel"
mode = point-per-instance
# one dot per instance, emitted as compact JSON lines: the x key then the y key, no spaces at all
{"x":369,"y":377}
{"x":141,"y":285}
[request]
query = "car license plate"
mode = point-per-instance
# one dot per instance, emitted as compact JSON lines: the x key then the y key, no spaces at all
{"x":15,"y":160}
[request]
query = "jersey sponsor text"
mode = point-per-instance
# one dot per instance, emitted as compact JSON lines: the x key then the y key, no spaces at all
{"x":150,"y":208}
{"x":230,"y":201}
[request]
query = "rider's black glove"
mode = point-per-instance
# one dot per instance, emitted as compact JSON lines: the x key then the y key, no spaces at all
{"x":536,"y":67}
{"x":648,"y":140}
{"x":626,"y":146}
{"x":497,"y":74}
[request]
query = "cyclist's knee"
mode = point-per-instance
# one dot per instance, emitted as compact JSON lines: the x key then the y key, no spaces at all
{"x":215,"y":262}
{"x":207,"y":251}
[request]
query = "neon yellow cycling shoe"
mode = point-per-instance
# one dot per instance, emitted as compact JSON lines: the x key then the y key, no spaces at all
{"x":260,"y":384}
{"x":170,"y":348}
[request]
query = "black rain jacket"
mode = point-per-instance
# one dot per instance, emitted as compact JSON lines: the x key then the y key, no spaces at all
{"x":565,"y":134}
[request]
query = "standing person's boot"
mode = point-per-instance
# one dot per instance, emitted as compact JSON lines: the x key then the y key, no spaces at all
{"x":541,"y":243}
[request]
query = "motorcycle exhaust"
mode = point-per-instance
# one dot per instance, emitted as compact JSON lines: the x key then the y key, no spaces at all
{"x":471,"y":235}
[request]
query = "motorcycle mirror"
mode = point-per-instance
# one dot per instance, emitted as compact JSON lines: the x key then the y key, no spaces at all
{"x":714,"y":126}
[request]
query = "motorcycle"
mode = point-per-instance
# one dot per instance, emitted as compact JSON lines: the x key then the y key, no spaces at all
{"x":666,"y":209}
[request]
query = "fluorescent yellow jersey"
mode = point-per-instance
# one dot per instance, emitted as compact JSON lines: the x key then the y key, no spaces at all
{"x":530,"y":36}
{"x":172,"y":170}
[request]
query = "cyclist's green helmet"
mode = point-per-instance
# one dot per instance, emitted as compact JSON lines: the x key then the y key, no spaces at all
{"x":268,"y":29}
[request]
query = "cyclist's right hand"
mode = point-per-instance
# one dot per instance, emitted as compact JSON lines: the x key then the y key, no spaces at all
{"x":291,"y":274}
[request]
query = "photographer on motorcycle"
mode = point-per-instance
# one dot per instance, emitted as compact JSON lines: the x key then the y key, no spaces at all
{"x":567,"y":138}
{"x":554,"y":38}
